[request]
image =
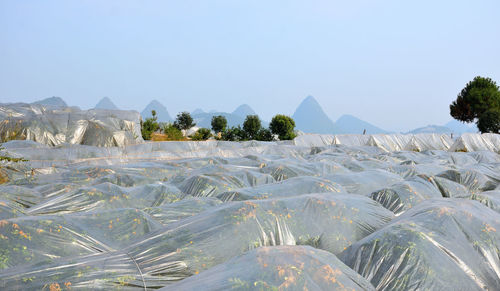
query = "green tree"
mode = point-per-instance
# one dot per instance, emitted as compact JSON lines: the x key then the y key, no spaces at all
{"x":283,"y":126}
{"x":479,"y":101}
{"x":184,"y":121}
{"x":251,"y":126}
{"x":149,"y":126}
{"x":219,"y":123}
{"x":489,"y":121}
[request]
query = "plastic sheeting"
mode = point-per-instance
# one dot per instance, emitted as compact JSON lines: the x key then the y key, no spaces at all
{"x":153,"y":215}
{"x":186,"y":247}
{"x":438,"y":245}
{"x":278,"y":268}
{"x":58,"y":125}
{"x":55,"y":125}
{"x":489,"y":198}
{"x":402,"y":196}
{"x":468,"y":142}
{"x":386,"y":142}
{"x":288,"y":187}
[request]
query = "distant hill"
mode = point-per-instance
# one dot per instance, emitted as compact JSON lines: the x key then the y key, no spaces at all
{"x":197,"y":111}
{"x":431,"y":129}
{"x":310,"y":118}
{"x":460,"y":127}
{"x":106,"y":103}
{"x":351,"y":124}
{"x":161,"y":111}
{"x":453,"y":126}
{"x":52,"y":101}
{"x":243,"y":111}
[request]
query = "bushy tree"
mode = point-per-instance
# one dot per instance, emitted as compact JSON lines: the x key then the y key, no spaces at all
{"x":265,"y":134}
{"x":149,"y":126}
{"x":283,"y":126}
{"x":489,"y":121}
{"x":234,"y":133}
{"x":479,"y":101}
{"x":184,"y":121}
{"x":219,"y":123}
{"x":252,"y":125}
{"x":172,"y":132}
{"x":202,"y":134}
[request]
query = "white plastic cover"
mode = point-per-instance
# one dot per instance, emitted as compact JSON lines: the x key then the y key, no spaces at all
{"x":58,"y":125}
{"x":150,"y":215}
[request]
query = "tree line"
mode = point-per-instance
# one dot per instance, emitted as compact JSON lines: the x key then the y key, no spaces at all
{"x":281,"y":127}
{"x":478,"y":101}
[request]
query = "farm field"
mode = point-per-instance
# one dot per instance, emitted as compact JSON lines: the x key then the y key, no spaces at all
{"x":322,"y":212}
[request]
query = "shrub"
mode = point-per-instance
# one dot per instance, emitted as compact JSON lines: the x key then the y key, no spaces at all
{"x":149,"y":126}
{"x":234,"y":133}
{"x":283,"y":126}
{"x":202,"y":134}
{"x":265,"y":134}
{"x":172,"y":132}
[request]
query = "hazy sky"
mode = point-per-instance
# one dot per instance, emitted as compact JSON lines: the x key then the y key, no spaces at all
{"x":397,"y":64}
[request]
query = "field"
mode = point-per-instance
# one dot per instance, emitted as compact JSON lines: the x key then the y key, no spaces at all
{"x":318,"y":213}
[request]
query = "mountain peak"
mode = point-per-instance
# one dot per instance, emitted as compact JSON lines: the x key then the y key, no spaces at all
{"x":197,"y":111}
{"x":310,"y":102}
{"x":310,"y":117}
{"x":106,"y":103}
{"x":310,"y":98}
{"x":155,"y":102}
{"x":161,"y":111}
{"x":244,"y":110}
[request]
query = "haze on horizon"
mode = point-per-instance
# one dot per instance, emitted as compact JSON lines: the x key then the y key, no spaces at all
{"x":397,"y":65}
